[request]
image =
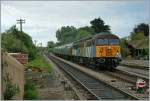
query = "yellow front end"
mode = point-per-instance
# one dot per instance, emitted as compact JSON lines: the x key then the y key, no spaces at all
{"x":107,"y":51}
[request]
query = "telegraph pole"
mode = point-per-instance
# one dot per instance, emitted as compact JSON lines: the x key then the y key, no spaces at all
{"x":21,"y":21}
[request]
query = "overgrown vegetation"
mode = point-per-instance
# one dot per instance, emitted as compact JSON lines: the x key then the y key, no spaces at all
{"x":15,"y":41}
{"x":30,"y":91}
{"x":11,"y":89}
{"x":138,"y":40}
{"x":39,"y":62}
{"x":124,"y":49}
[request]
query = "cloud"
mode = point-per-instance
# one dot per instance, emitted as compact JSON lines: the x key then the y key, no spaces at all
{"x":43,"y":18}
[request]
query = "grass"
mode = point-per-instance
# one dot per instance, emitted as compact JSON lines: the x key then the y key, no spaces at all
{"x":30,"y":91}
{"x":39,"y":62}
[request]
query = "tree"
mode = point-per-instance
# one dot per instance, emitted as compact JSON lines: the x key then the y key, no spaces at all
{"x":142,"y":28}
{"x":66,"y":34}
{"x":99,"y":26}
{"x":84,"y":32}
{"x":124,"y":47}
{"x":50,"y":44}
{"x":15,"y":41}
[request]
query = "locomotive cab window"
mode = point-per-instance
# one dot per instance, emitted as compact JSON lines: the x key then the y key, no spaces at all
{"x":113,"y":41}
{"x":102,"y":42}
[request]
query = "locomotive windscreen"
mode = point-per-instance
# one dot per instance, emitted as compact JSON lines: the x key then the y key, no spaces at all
{"x":113,"y":42}
{"x":107,"y":42}
{"x":102,"y":42}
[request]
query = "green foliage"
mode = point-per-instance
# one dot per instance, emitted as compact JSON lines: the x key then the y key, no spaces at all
{"x":68,"y":34}
{"x":39,"y":62}
{"x":10,"y":43}
{"x":99,"y":26}
{"x":139,"y":41}
{"x":137,"y":36}
{"x":30,"y":91}
{"x":124,"y":49}
{"x":84,"y":32}
{"x":11,"y":89}
{"x":144,"y":28}
{"x":50,"y":44}
{"x":140,"y":28}
{"x":16,"y":41}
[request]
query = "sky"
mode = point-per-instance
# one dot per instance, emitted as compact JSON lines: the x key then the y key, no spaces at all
{"x":44,"y":18}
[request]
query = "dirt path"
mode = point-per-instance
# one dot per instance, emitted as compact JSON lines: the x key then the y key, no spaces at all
{"x":50,"y":86}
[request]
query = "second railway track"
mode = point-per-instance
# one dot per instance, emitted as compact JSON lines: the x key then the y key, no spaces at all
{"x":128,"y":76}
{"x":98,"y":89}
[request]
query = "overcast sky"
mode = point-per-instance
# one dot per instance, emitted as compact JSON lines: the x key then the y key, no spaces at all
{"x":43,"y":18}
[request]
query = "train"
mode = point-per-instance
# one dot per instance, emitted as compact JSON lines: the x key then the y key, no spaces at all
{"x":100,"y":51}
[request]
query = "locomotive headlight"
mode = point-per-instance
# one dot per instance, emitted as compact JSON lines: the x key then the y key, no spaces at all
{"x":118,"y":55}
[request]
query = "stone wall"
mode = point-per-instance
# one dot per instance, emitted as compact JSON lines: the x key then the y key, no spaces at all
{"x":16,"y":73}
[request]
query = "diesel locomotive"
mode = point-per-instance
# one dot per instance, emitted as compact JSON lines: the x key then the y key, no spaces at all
{"x":100,"y":51}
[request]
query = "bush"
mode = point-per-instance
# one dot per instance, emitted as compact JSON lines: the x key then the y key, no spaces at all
{"x":30,"y":91}
{"x":14,"y":41}
{"x":11,"y":89}
{"x":39,"y":62}
{"x":124,"y":49}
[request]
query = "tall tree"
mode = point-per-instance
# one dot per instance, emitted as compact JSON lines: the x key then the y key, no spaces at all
{"x":99,"y":26}
{"x":66,"y":34}
{"x":84,"y":32}
{"x":142,"y":28}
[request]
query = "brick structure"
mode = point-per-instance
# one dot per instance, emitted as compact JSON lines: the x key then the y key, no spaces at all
{"x":22,"y":58}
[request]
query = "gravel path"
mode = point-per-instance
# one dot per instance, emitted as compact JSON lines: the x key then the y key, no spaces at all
{"x":50,"y":85}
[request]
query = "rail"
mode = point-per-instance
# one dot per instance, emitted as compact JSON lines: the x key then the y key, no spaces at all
{"x":98,"y":89}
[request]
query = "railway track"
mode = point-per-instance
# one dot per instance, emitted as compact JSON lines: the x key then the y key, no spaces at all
{"x":135,"y":64}
{"x":127,"y":76}
{"x":98,"y":89}
{"x":134,"y":73}
{"x":138,"y":72}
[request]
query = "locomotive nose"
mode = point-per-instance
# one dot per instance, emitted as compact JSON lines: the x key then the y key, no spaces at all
{"x":109,"y":51}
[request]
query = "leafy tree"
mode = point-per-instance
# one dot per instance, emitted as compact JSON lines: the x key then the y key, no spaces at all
{"x":141,"y":28}
{"x":84,"y":32}
{"x":58,"y":43}
{"x":50,"y":44}
{"x":16,"y":41}
{"x":66,"y":34}
{"x":99,"y":26}
{"x":124,"y":48}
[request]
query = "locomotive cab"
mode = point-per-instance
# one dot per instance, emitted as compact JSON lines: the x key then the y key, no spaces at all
{"x":108,"y":52}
